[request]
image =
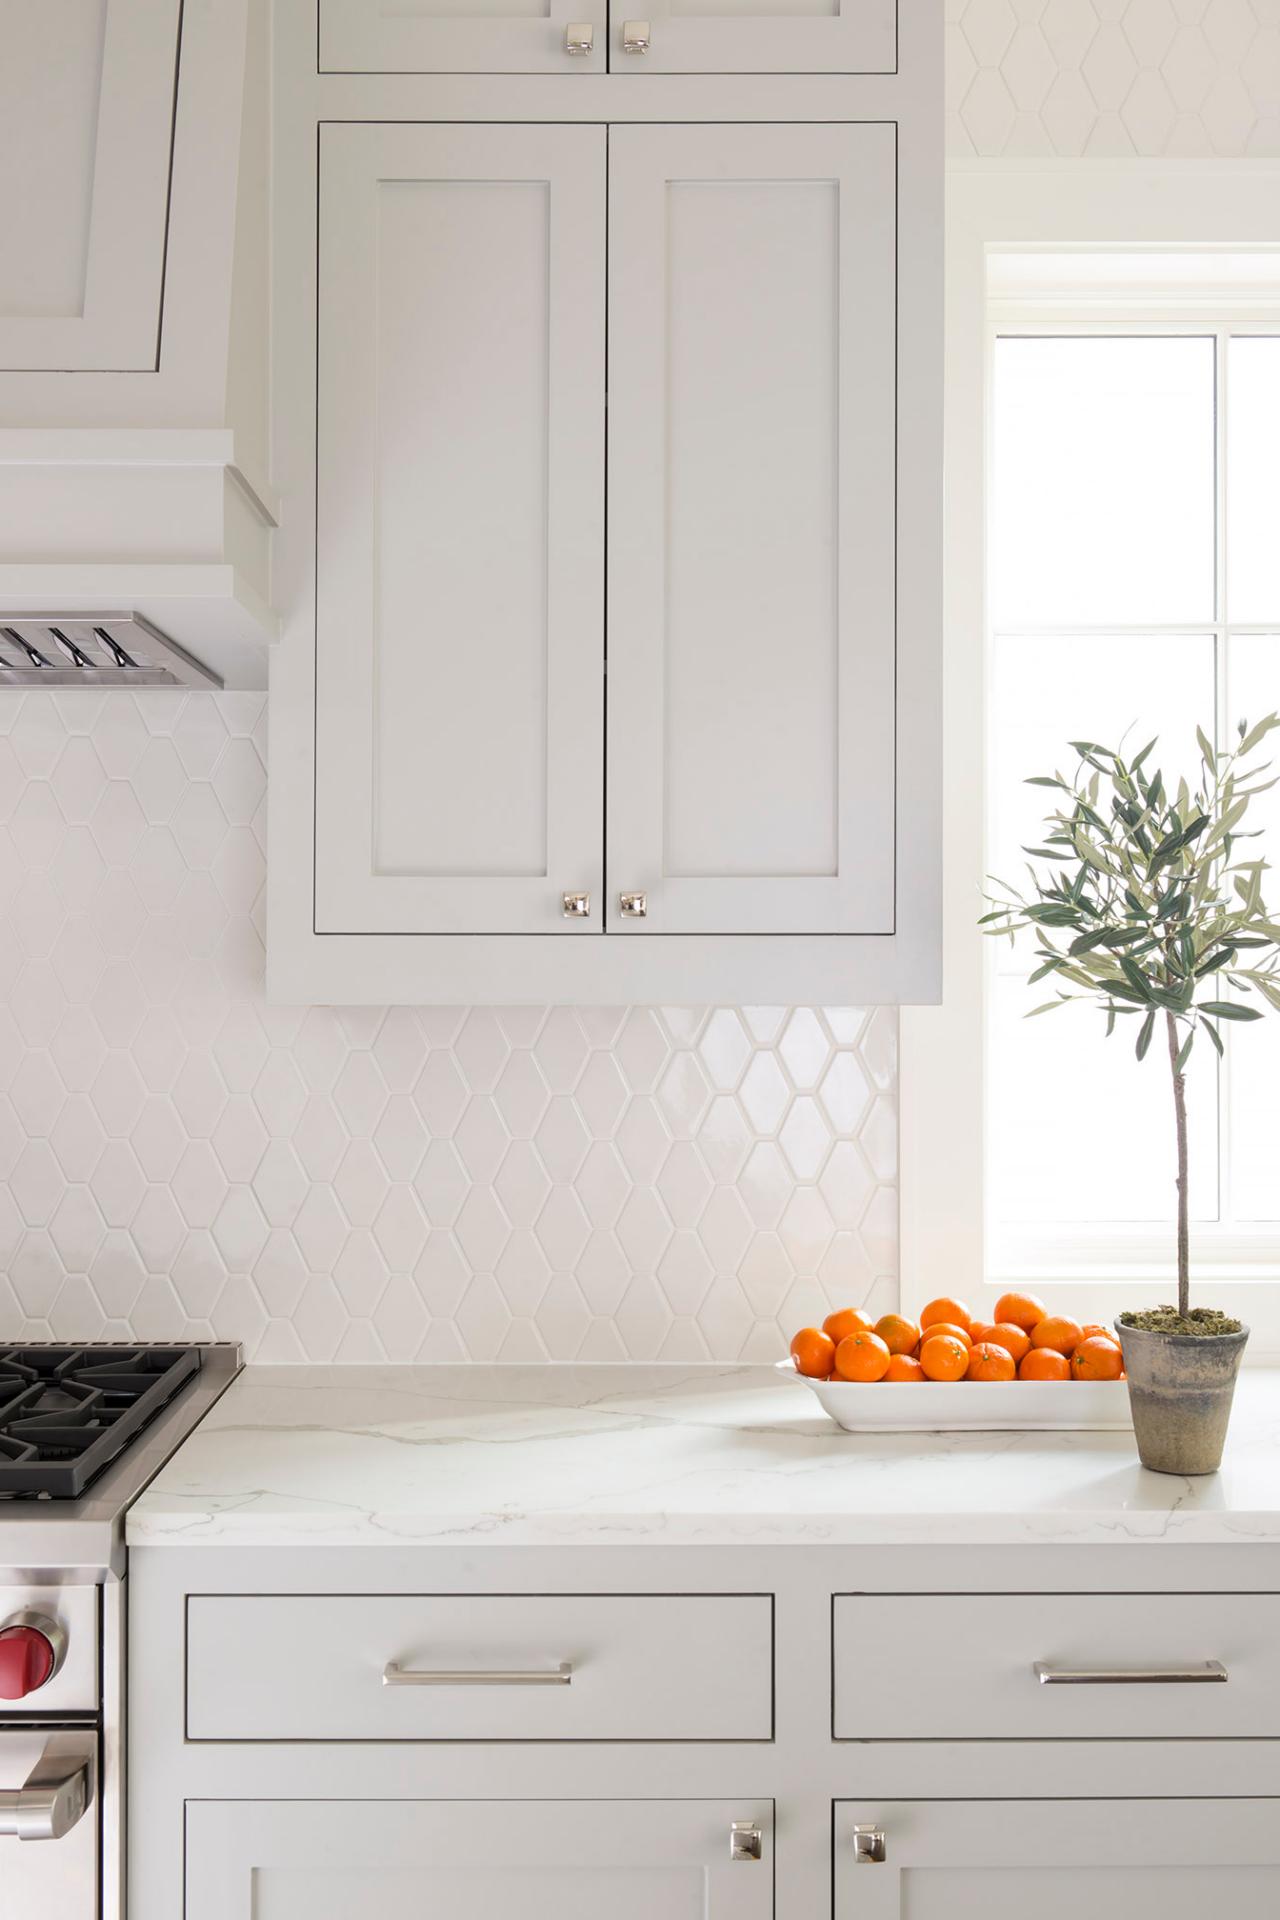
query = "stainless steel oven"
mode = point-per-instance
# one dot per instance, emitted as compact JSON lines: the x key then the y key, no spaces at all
{"x":82,"y":1431}
{"x":49,"y":1822}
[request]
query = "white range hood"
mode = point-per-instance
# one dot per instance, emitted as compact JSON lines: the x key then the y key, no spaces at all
{"x":133,"y":458}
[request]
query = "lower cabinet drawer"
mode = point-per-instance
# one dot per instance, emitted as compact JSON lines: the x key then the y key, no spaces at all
{"x":480,"y":1667}
{"x":1026,"y":1666}
{"x":479,"y":1860}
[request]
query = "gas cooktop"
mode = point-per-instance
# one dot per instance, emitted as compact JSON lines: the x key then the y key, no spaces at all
{"x":67,"y":1412}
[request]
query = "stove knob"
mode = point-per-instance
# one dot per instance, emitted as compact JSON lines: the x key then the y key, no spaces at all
{"x":31,"y":1651}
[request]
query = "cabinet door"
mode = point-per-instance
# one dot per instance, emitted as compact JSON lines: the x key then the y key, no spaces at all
{"x":474,"y":1860}
{"x":461,"y":36}
{"x":459,"y":641}
{"x":752,"y":528}
{"x":755,"y":36}
{"x":1057,"y":1860}
{"x":86,"y":124}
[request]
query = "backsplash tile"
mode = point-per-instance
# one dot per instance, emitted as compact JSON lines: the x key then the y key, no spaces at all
{"x":1110,"y":78}
{"x":179,"y":1159}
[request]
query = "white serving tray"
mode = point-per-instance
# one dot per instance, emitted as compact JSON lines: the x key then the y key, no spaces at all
{"x":938,"y":1406}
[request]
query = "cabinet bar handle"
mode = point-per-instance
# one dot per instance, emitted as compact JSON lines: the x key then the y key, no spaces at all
{"x":397,"y":1676}
{"x":1129,"y":1676}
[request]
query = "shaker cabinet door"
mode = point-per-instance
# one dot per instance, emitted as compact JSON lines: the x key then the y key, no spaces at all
{"x":462,"y":36}
{"x":1056,"y":1860}
{"x":86,"y":127}
{"x":751,"y":599}
{"x":459,"y":636}
{"x":754,"y":36}
{"x":475,"y":1860}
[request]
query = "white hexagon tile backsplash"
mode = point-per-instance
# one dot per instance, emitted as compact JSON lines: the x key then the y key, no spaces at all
{"x":179,"y":1159}
{"x":1109,"y":78}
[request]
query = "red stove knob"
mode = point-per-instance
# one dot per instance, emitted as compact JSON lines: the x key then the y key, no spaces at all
{"x":30,"y":1654}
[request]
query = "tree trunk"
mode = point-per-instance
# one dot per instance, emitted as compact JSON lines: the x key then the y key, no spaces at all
{"x":1180,"y":1118}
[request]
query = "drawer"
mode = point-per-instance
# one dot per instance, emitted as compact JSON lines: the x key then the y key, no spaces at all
{"x":480,"y":1667}
{"x":910,"y":1666}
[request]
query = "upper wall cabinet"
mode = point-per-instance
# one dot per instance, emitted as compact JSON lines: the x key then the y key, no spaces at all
{"x":755,"y":36}
{"x":751,"y":532}
{"x":611,"y":418}
{"x":86,"y":121}
{"x":460,"y":659}
{"x":463,"y":36}
{"x":551,"y":36}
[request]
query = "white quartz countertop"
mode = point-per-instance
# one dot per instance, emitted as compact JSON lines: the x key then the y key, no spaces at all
{"x":704,"y":1455}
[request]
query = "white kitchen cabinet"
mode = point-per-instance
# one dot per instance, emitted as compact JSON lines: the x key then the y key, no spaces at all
{"x":1113,"y":1859}
{"x":575,"y":1667}
{"x":474,"y":1860}
{"x":611,"y":662}
{"x":755,"y":36}
{"x":751,"y":535}
{"x":461,"y":630}
{"x":86,"y":124}
{"x":460,"y":693}
{"x":462,"y":36}
{"x":527,"y":36}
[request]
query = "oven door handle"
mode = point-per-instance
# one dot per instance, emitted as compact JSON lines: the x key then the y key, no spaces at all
{"x":56,"y":1793}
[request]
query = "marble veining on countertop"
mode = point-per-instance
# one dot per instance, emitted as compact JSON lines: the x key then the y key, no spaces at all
{"x":703,"y":1455}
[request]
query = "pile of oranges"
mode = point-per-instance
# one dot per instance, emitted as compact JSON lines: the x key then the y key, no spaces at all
{"x":1024,"y":1342}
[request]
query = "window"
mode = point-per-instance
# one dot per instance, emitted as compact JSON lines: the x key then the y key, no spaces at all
{"x":1127,"y":428}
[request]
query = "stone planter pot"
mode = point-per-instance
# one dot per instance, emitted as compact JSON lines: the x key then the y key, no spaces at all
{"x":1180,"y":1390}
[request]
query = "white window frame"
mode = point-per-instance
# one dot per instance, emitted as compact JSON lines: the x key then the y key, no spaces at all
{"x":1034,"y":204}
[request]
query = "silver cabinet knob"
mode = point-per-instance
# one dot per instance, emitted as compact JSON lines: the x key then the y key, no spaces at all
{"x":746,"y":1842}
{"x":633,"y":906}
{"x":635,"y":36}
{"x":579,"y":37}
{"x":869,"y":1846}
{"x":576,"y":906}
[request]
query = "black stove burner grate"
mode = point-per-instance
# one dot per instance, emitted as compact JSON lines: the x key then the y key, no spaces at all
{"x":67,"y":1412}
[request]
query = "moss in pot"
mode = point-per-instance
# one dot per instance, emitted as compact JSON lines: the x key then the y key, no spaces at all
{"x":1151,"y":908}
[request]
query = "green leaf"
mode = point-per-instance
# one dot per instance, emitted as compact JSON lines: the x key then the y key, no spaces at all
{"x":1184,"y":1051}
{"x":1145,"y":1032}
{"x":1228,"y":1010}
{"x":1215,"y":1036}
{"x":1250,"y":740}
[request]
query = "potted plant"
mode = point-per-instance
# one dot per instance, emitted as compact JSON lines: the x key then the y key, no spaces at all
{"x":1150,"y":912}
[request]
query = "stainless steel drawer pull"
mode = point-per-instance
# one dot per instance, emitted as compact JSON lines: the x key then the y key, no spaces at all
{"x":1193,"y":1674}
{"x":56,"y":1793}
{"x":869,"y":1847}
{"x":396,"y":1676}
{"x":746,"y":1841}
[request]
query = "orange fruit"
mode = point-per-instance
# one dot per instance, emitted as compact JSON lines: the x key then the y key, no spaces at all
{"x":1096,"y":1359}
{"x":956,"y":1332}
{"x":981,"y":1330}
{"x":814,"y":1353}
{"x":953,"y":1313}
{"x":902,"y":1367}
{"x":1011,"y":1338}
{"x":899,"y":1334}
{"x":1020,"y":1310}
{"x":838,"y":1326}
{"x":1094,"y":1330}
{"x":1057,"y":1331}
{"x":1045,"y":1363}
{"x":943,"y":1357}
{"x":863,"y":1356}
{"x":987,"y":1361}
